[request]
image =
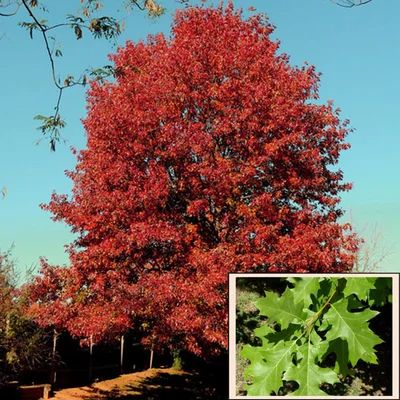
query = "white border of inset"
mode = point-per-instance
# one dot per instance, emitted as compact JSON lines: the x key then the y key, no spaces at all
{"x":232,"y":333}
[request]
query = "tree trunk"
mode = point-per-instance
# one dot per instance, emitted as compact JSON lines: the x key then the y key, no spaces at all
{"x":91,"y":358}
{"x":121,"y":361}
{"x":54,"y":372}
{"x":151,"y":357}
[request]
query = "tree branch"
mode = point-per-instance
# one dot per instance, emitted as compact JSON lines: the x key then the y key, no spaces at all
{"x":46,"y":41}
{"x":69,"y":24}
{"x":100,"y":27}
{"x":138,"y":5}
{"x":350,"y":3}
{"x":53,"y":123}
{"x":11,"y":13}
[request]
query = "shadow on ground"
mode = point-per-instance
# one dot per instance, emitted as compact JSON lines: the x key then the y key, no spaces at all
{"x":165,"y":386}
{"x":153,"y":385}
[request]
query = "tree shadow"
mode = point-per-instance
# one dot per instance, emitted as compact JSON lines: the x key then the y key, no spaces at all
{"x":163,"y":386}
{"x":178,"y":387}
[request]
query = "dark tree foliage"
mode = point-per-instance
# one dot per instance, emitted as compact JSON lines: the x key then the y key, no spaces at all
{"x":23,"y":345}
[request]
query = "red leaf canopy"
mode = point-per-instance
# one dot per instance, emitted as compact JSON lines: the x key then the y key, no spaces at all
{"x":208,"y":154}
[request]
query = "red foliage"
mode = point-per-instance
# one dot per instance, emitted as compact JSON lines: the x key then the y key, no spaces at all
{"x":206,"y":156}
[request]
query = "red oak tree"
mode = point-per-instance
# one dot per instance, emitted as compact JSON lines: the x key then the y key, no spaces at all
{"x":208,"y":154}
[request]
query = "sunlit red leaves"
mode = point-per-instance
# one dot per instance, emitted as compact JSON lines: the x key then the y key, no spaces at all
{"x":206,"y":156}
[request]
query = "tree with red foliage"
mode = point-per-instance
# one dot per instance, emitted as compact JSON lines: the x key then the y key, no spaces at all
{"x":207,"y":155}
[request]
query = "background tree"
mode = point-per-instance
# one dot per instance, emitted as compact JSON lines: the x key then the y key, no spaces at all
{"x":23,"y":345}
{"x":371,"y":252}
{"x":207,"y":155}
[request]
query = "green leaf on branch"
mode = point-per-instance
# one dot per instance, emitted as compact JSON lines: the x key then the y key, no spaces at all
{"x":330,"y":318}
{"x":106,"y":27}
{"x":284,"y":334}
{"x":30,"y":27}
{"x":304,"y":289}
{"x":99,"y":74}
{"x":282,"y":309}
{"x":359,"y":286}
{"x":50,"y":126}
{"x":353,"y":327}
{"x":262,"y":332}
{"x":266,"y":371}
{"x":307,"y":373}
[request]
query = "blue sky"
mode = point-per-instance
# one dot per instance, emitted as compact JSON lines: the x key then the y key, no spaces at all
{"x":357,"y":51}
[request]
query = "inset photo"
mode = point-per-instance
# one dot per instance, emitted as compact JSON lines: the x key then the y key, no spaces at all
{"x":314,"y":335}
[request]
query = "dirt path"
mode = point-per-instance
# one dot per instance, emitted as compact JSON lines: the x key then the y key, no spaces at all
{"x":150,"y":385}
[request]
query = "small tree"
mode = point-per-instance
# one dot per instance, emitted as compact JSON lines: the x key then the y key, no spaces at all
{"x":23,"y":345}
{"x":372,"y":252}
{"x":208,"y":155}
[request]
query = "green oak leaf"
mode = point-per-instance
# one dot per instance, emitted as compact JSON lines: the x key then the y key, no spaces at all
{"x":261,"y":332}
{"x":353,"y":327}
{"x":381,"y":293}
{"x":303,"y":329}
{"x":266,"y":371}
{"x":307,"y":373}
{"x":321,"y":344}
{"x":358,"y":286}
{"x":303,"y":289}
{"x":324,"y":325}
{"x":289,"y":333}
{"x":327,"y":287}
{"x":281,"y":309}
{"x":254,"y":353}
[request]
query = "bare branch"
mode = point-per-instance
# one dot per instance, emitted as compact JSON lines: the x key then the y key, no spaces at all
{"x":10,"y":14}
{"x":350,"y":3}
{"x":372,"y":252}
{"x":69,"y":24}
{"x":53,"y":123}
{"x":46,"y":41}
{"x":134,"y":2}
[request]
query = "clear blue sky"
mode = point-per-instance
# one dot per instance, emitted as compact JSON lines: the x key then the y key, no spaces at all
{"x":356,"y":50}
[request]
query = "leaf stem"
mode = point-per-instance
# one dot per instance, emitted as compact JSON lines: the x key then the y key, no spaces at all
{"x":311,"y":320}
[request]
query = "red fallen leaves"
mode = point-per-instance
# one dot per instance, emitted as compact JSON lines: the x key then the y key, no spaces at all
{"x":206,"y":156}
